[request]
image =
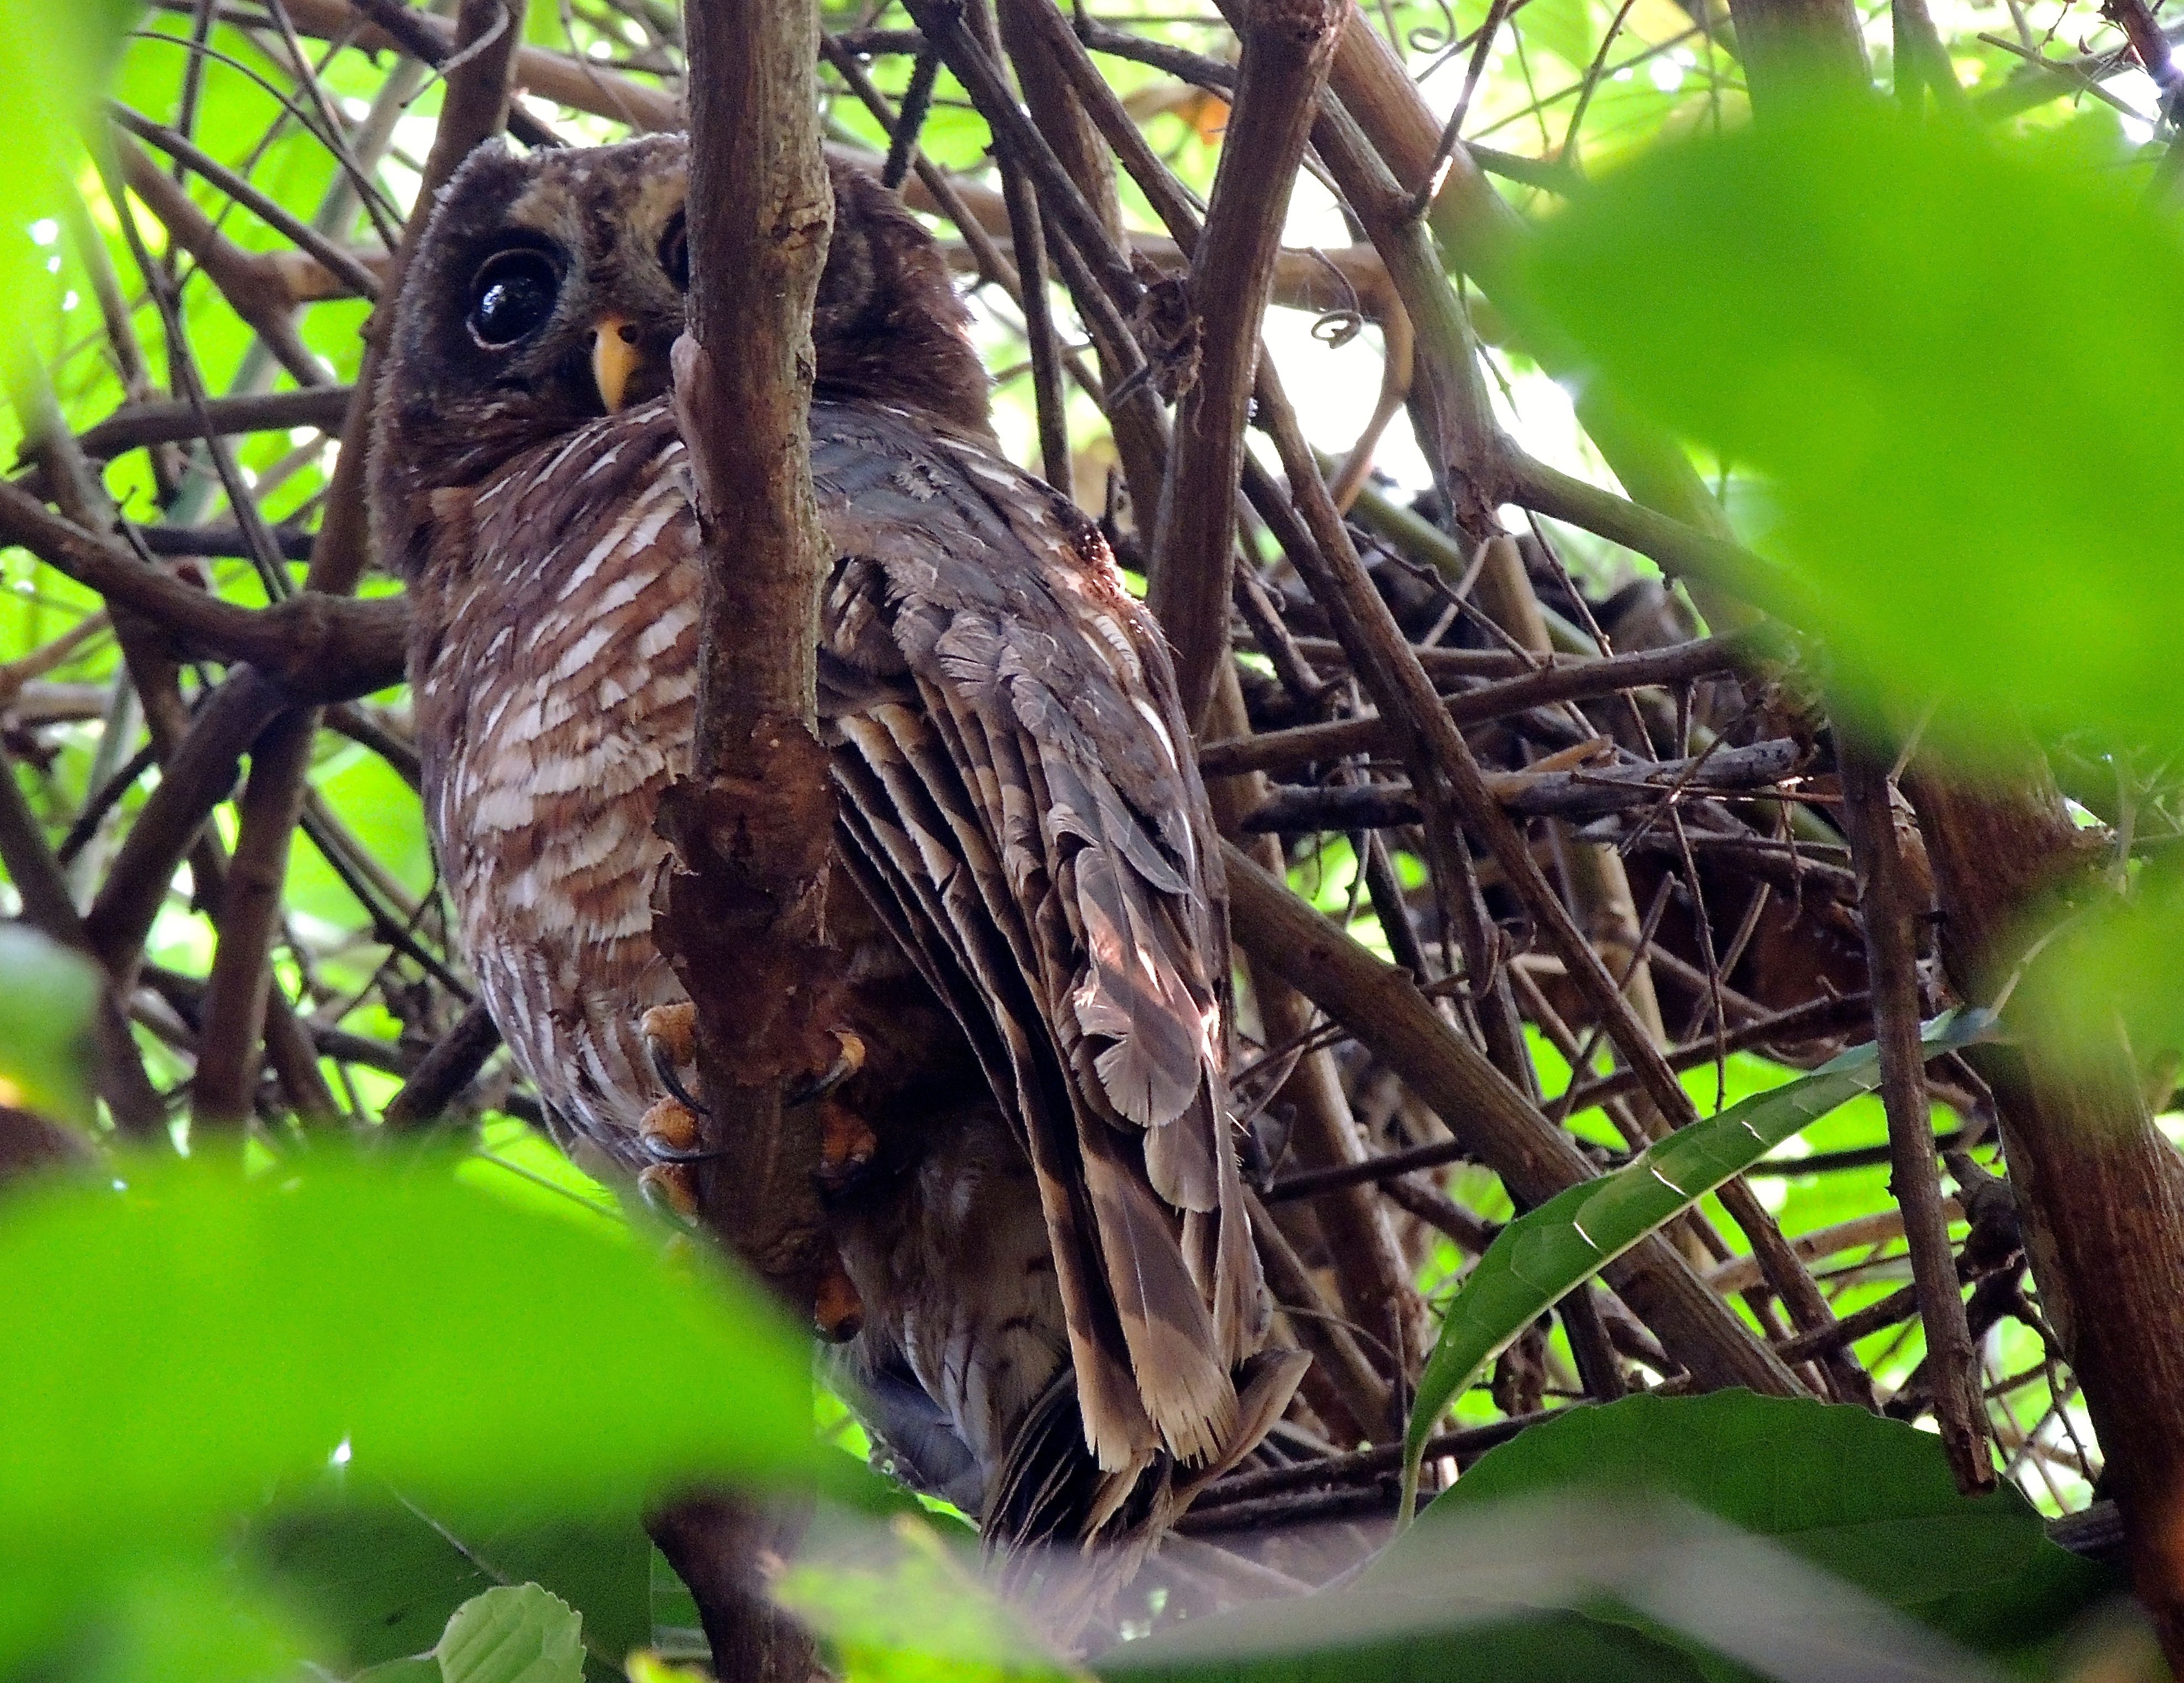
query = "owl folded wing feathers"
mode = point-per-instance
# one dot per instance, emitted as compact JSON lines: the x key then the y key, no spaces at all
{"x":1019,"y":806}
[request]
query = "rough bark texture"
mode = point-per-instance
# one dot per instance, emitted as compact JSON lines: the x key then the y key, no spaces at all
{"x":741,"y":906}
{"x":2100,"y":1192}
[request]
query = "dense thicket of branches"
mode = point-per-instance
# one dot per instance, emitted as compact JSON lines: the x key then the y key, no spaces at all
{"x":1541,"y":845}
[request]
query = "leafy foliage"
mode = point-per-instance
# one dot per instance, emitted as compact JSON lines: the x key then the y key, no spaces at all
{"x":1910,"y":333}
{"x":1555,"y":1248}
{"x":241,"y":1334}
{"x":45,"y":1049}
{"x":399,"y":1414}
{"x":1979,"y":1569}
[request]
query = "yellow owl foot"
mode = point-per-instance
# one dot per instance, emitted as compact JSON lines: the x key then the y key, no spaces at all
{"x":847,"y":1146}
{"x":838,"y":1310}
{"x":670,"y":1189}
{"x":668,"y":1131}
{"x":849,"y":1059}
{"x":670,"y":1042}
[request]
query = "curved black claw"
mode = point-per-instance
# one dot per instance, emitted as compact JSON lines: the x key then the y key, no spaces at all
{"x":660,"y":1151}
{"x":849,"y":1059}
{"x":661,"y":1055}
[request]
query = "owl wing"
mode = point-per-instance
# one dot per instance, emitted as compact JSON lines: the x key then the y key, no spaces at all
{"x":1019,"y":809}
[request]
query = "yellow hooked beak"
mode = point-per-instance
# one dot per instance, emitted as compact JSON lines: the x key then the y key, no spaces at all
{"x":614,"y":359}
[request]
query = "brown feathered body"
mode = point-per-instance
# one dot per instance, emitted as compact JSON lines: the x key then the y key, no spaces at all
{"x":1027,"y":892}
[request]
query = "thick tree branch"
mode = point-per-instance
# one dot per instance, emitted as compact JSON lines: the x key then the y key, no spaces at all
{"x":314,"y":647}
{"x":740,"y":909}
{"x":2100,"y":1191}
{"x":1287,"y":45}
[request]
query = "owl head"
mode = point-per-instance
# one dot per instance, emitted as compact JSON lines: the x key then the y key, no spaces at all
{"x":547,"y":290}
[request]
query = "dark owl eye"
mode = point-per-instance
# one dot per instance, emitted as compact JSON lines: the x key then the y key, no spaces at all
{"x":675,"y":251}
{"x":511,"y":296}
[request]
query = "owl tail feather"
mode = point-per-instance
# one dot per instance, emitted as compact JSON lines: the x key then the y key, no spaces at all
{"x":1070,"y":1537}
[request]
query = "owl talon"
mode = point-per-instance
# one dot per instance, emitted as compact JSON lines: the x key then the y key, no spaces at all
{"x":838,"y":1310}
{"x":670,"y":1189}
{"x":668,"y":1133}
{"x":849,"y":1059}
{"x":670,"y":1042}
{"x":847,"y":1146}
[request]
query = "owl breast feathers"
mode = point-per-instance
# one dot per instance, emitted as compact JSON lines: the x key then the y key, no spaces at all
{"x":1028,"y":883}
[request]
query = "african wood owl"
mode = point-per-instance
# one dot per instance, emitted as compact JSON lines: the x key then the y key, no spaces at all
{"x":1063,"y":1308}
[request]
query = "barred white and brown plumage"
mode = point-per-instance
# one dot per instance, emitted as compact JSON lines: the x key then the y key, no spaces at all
{"x":1030,"y":892}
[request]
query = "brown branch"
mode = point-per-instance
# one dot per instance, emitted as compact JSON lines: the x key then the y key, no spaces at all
{"x":421,"y":37}
{"x":313,"y":647}
{"x":1386,"y":1461}
{"x":267,"y":210}
{"x":1795,"y":50}
{"x":739,"y":912}
{"x":476,"y":107}
{"x":1805,"y":1021}
{"x":557,"y":76}
{"x":42,"y":894}
{"x":1567,"y":681}
{"x":254,"y":284}
{"x":1384,"y":1009}
{"x":1060,"y":196}
{"x":451,"y":1066}
{"x":2100,"y":1191}
{"x":1892,"y":959}
{"x":1560,"y":795}
{"x":1287,"y":45}
{"x":249,"y":916}
{"x":1684,"y":550}
{"x":1028,"y":244}
{"x":136,"y":425}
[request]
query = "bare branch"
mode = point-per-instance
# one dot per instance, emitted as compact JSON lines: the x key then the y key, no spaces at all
{"x":1288,"y":45}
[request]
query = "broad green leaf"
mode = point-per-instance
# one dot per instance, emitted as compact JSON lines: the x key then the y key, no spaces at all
{"x":1870,"y":1501}
{"x":1934,"y":348}
{"x":46,"y":998}
{"x":1549,"y":1251}
{"x":184,"y":1619}
{"x":382,"y":1579}
{"x":2119,"y":963}
{"x":1554,"y":1647}
{"x":1561,"y":1586}
{"x":518,"y":1633}
{"x":189,"y":1341}
{"x":54,"y":60}
{"x":895,"y":1607}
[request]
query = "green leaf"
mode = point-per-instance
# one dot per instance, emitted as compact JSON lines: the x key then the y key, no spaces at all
{"x":2117,"y":964}
{"x":185,"y":1619}
{"x":1869,"y":1500}
{"x":1936,"y":350}
{"x":516,"y":1633}
{"x":1549,"y":1251}
{"x":184,"y":1343}
{"x":383,"y":1580}
{"x":1556,"y":1647}
{"x":53,"y":60}
{"x":897,"y":1608}
{"x":411,"y":1669}
{"x":48,"y":995}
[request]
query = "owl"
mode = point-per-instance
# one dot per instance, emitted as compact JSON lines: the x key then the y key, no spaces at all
{"x":1063,"y":1312}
